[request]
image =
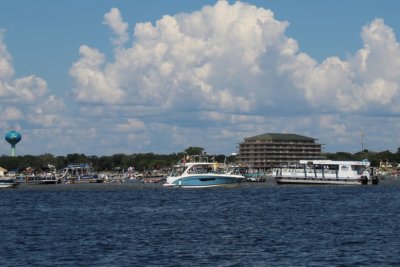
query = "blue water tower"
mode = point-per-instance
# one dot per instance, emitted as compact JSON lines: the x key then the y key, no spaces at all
{"x":13,"y":138}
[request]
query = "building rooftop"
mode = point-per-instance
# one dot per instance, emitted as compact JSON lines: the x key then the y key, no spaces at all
{"x":280,"y":137}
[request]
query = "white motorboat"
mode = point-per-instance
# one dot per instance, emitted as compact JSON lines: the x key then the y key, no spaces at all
{"x":7,"y":181}
{"x":200,"y":174}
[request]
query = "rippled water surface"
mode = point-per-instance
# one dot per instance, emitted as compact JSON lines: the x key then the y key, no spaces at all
{"x":251,"y":225}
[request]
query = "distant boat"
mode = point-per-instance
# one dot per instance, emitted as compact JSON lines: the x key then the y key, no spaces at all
{"x":325,"y":172}
{"x":45,"y":178}
{"x":199,"y":173}
{"x":250,"y":174}
{"x":80,"y":173}
{"x":7,"y":181}
{"x":45,"y":175}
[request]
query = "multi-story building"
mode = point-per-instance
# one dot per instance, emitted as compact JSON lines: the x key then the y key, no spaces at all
{"x":272,"y":149}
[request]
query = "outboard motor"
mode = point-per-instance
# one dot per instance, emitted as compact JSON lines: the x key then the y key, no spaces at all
{"x":375,"y":180}
{"x":364,"y":180}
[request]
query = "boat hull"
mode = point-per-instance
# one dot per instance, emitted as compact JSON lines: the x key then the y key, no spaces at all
{"x":204,"y":181}
{"x":42,"y":180}
{"x":317,"y":181}
{"x":8,"y":183}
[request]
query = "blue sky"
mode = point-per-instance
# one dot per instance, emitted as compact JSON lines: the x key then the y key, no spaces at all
{"x":106,"y":77}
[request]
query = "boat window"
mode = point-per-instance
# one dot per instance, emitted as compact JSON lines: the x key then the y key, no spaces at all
{"x":344,"y":168}
{"x":358,"y":168}
{"x":332,"y":167}
{"x":198,"y":169}
{"x":207,"y":179}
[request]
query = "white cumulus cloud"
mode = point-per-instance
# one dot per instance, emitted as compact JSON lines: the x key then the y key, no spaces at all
{"x":114,"y":20}
{"x":6,"y":69}
{"x":368,"y":79}
{"x":214,"y":58}
{"x":26,"y":102}
{"x":236,"y":63}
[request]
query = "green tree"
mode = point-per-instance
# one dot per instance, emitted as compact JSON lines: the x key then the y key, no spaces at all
{"x":194,"y":150}
{"x":47,"y":159}
{"x":77,"y":158}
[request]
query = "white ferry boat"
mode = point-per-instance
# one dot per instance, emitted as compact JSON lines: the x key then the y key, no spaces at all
{"x":199,"y":173}
{"x":325,"y":172}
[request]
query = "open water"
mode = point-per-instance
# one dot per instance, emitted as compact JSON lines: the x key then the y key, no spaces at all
{"x":260,"y":224}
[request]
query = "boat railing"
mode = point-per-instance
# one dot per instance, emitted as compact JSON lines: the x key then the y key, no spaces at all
{"x":198,"y":158}
{"x":292,"y":170}
{"x":42,"y":177}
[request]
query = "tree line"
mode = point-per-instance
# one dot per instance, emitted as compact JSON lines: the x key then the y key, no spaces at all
{"x":151,"y":161}
{"x":374,"y":157}
{"x":116,"y":162}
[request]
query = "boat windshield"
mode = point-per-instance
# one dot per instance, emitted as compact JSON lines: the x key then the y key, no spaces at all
{"x":197,"y":169}
{"x":177,"y":171}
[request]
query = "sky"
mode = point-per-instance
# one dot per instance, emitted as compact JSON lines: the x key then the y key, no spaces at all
{"x":156,"y":76}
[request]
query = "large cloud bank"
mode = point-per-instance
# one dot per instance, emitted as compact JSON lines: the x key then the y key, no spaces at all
{"x":217,"y":75}
{"x":234,"y":58}
{"x":232,"y":67}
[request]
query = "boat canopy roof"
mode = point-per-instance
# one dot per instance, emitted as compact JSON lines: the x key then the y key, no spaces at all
{"x":189,"y":164}
{"x":335,"y":162}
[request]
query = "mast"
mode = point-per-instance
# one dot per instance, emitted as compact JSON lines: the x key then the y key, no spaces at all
{"x":362,"y":139}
